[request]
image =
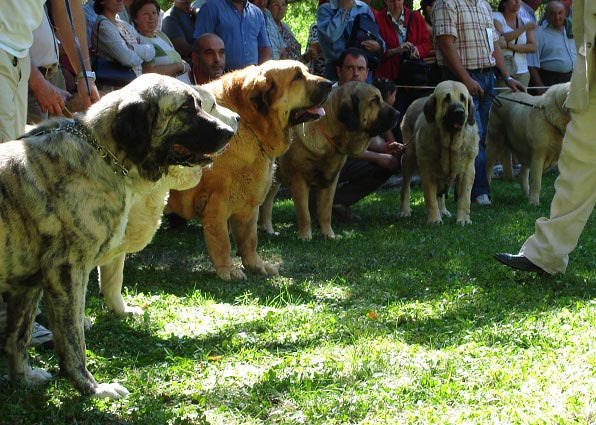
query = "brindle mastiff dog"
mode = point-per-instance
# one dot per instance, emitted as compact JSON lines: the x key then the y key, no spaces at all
{"x":66,"y":191}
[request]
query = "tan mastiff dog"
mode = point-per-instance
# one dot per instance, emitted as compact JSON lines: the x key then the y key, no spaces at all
{"x":270,"y":99}
{"x":531,"y":128}
{"x":354,"y":113}
{"x":441,"y":135}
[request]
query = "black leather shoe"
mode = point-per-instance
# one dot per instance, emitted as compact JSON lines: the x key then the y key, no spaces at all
{"x":519,"y":262}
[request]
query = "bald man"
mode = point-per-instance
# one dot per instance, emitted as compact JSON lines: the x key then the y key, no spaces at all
{"x":208,"y":59}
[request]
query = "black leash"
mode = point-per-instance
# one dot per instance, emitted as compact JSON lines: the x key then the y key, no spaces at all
{"x":498,"y":103}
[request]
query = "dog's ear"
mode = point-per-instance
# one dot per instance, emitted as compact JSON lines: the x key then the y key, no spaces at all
{"x":262,"y":93}
{"x":132,"y":127}
{"x":349,"y":113}
{"x":430,"y":108}
{"x":471,"y":111}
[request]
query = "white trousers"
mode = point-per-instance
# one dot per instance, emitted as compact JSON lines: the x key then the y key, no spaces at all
{"x":575,"y":195}
{"x":14,"y":79}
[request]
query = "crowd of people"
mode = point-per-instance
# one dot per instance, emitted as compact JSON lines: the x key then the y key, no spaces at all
{"x":465,"y":39}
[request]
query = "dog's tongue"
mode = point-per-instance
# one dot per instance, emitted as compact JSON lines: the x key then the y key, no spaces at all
{"x":457,"y":126}
{"x":317,"y":111}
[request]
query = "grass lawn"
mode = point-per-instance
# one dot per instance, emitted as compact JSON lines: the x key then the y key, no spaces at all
{"x":397,"y":323}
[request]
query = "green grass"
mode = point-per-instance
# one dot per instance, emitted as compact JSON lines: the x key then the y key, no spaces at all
{"x":397,"y":323}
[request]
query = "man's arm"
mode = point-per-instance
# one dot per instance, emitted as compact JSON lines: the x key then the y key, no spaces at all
{"x":50,"y":98}
{"x":64,"y":32}
{"x":452,"y":60}
{"x":511,"y":82}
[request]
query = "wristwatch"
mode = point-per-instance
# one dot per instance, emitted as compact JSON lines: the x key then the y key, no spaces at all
{"x":88,"y":74}
{"x":509,"y":79}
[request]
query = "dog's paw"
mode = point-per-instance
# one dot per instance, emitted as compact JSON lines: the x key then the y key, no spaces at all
{"x":35,"y":377}
{"x":405,"y":213}
{"x":231,"y":273}
{"x":332,"y":236}
{"x":112,"y":391}
{"x":271,"y":269}
{"x":305,"y":236}
{"x":134,"y":311}
{"x":434,"y":220}
{"x":464,"y":221}
{"x":267,"y":228}
{"x":445,"y":213}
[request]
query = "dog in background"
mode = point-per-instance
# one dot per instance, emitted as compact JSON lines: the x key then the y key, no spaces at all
{"x":531,"y":128}
{"x":145,"y":215}
{"x":66,"y":193}
{"x":270,"y":99}
{"x":441,"y":137}
{"x":354,"y":112}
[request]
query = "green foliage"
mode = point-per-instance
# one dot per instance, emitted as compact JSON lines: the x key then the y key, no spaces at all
{"x":398,"y":322}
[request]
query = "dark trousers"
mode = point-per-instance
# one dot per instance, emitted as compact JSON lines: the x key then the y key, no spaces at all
{"x":357,"y":179}
{"x":550,"y":78}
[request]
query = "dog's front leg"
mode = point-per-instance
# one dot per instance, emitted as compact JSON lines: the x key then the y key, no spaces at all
{"x":430,"y":200}
{"x":217,"y":239}
{"x":536,"y":170}
{"x":244,"y":232}
{"x":464,"y":184}
{"x":111,"y":277}
{"x":66,"y":285}
{"x":21,"y":309}
{"x":266,"y":211}
{"x":325,"y":205}
{"x":300,"y":194}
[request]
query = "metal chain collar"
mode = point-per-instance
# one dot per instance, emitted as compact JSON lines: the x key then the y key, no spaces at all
{"x":81,"y":131}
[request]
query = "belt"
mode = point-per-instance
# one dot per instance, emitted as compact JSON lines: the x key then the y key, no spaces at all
{"x":48,"y":71}
{"x":479,"y":70}
{"x":564,"y":74}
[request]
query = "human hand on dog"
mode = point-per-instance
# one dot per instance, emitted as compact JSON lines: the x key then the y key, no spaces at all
{"x":394,"y":148}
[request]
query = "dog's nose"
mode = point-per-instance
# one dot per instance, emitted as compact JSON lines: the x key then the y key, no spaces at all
{"x":457,"y":115}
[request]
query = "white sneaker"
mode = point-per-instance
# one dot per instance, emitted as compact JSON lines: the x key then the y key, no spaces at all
{"x":482,"y":200}
{"x":40,"y":335}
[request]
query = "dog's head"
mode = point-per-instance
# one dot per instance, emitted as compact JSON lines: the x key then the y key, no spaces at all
{"x":362,"y":109}
{"x":450,"y":106}
{"x":272,"y":97}
{"x":158,"y":121}
{"x":555,"y":110}
{"x":210,"y":106}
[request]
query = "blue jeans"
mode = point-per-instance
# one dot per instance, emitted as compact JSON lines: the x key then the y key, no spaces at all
{"x":482,"y":104}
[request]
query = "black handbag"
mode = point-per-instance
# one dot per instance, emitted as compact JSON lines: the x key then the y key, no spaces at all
{"x":108,"y":72}
{"x":365,"y":28}
{"x":414,"y":72}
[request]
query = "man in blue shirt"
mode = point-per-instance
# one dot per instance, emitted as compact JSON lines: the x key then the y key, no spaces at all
{"x":241,"y":26}
{"x":555,"y":55}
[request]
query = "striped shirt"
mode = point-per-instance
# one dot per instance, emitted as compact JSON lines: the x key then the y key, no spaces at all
{"x":471,"y":23}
